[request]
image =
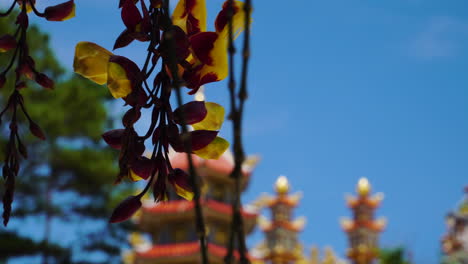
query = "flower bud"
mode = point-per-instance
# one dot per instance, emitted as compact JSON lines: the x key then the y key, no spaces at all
{"x":125,"y":209}
{"x":114,"y":138}
{"x":44,"y":81}
{"x":36,"y":130}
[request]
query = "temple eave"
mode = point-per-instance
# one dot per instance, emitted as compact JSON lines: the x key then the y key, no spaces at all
{"x":180,"y":251}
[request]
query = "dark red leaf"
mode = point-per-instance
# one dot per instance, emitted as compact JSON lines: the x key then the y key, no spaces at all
{"x":125,"y":209}
{"x":193,"y":112}
{"x":114,"y":138}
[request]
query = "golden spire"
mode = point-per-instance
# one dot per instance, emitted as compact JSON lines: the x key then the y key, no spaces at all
{"x":363,"y":187}
{"x":282,"y":185}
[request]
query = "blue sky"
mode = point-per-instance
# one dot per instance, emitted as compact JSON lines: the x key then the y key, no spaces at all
{"x":341,"y":89}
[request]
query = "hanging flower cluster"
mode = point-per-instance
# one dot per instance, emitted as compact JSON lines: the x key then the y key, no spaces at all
{"x":24,"y":69}
{"x":199,"y":57}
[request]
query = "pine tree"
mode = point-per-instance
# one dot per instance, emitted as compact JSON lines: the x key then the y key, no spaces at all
{"x":68,"y":178}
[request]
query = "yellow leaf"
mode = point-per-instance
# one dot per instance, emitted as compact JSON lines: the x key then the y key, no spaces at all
{"x":118,"y":83}
{"x":214,"y":118}
{"x":91,"y":61}
{"x":186,"y":194}
{"x":214,"y":150}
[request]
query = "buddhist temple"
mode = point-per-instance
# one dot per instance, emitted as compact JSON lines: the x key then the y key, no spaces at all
{"x":455,"y":241}
{"x":363,"y":230}
{"x":170,"y":225}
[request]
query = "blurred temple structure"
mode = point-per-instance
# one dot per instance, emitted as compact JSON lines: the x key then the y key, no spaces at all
{"x":455,"y":241}
{"x":168,"y":234}
{"x":363,"y":230}
{"x":281,"y":244}
{"x":171,"y":224}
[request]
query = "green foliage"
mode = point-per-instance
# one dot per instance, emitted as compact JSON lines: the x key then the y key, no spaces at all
{"x":393,"y":256}
{"x":71,"y":163}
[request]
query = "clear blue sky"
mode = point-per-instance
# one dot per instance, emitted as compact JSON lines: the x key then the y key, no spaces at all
{"x":341,"y":89}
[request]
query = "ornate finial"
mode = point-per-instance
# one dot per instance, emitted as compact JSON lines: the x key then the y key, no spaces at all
{"x":282,"y":185}
{"x":363,"y":187}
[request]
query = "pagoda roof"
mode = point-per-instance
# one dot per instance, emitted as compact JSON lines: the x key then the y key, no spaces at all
{"x":171,"y":211}
{"x":372,"y":202}
{"x":283,"y":224}
{"x":374,"y":225}
{"x":187,"y":249}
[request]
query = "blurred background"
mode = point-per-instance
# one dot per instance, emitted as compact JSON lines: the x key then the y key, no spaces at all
{"x":338,"y":90}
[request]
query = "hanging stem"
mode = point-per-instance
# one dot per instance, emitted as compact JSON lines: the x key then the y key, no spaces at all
{"x":237,"y":109}
{"x":193,"y":177}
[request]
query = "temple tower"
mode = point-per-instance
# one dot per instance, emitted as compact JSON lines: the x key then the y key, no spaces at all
{"x":281,"y":245}
{"x":455,"y":242}
{"x":363,"y":230}
{"x":171,"y":225}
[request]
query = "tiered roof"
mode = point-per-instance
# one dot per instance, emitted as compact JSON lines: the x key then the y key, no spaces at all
{"x":171,"y":224}
{"x":363,"y":229}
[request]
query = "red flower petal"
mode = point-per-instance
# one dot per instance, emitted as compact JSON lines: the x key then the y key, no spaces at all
{"x":142,"y":167}
{"x":202,"y":44}
{"x":130,"y":15}
{"x":193,"y":112}
{"x":123,"y":39}
{"x":60,"y":12}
